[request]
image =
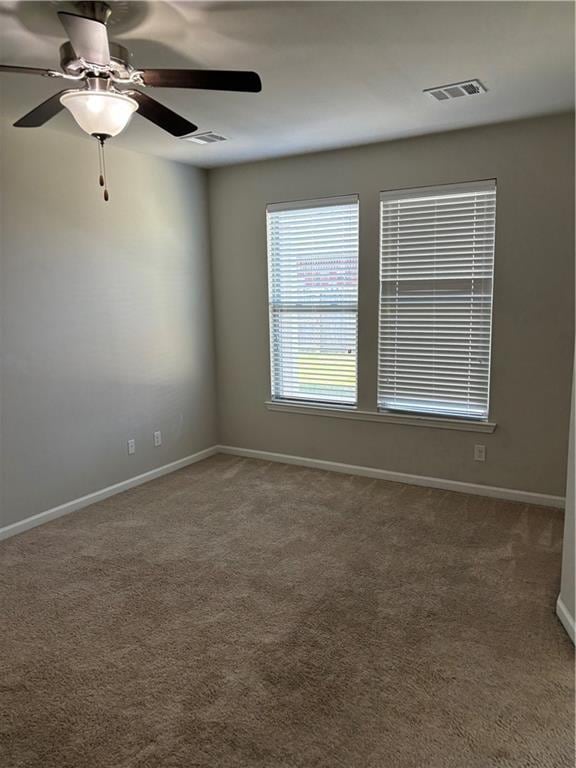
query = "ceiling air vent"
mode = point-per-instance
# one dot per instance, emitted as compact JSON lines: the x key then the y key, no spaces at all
{"x":455,"y":90}
{"x":208,"y":137}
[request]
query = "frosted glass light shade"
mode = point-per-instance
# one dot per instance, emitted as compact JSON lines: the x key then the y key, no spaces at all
{"x":100,"y":112}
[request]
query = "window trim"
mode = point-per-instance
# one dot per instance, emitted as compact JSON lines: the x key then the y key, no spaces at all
{"x":289,"y":205}
{"x":430,"y":190}
{"x":313,"y":202}
{"x":384,"y":417}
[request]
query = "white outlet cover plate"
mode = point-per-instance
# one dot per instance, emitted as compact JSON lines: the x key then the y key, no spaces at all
{"x":479,"y":453}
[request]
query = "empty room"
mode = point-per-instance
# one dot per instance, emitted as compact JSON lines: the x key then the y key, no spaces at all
{"x":287,"y":384}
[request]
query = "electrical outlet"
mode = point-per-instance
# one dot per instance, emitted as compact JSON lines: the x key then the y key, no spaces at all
{"x":479,"y":453}
{"x":157,"y":438}
{"x":131,"y":446}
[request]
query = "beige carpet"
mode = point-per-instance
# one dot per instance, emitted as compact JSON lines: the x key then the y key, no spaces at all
{"x":243,"y":614}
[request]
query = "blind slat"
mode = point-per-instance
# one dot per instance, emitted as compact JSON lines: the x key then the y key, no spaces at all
{"x":436,"y":274}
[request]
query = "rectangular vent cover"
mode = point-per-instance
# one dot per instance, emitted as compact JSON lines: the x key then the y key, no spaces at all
{"x":208,"y":137}
{"x":455,"y":90}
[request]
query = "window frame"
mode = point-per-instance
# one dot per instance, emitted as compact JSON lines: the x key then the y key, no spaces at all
{"x":408,"y":415}
{"x":293,"y":403}
{"x":372,"y":413}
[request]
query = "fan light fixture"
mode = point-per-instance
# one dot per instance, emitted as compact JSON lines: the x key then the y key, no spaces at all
{"x":100,"y":113}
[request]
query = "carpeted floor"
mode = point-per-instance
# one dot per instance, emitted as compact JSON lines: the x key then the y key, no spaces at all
{"x":244,"y":614}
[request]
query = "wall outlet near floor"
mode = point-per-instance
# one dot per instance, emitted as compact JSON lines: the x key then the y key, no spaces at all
{"x":131,"y":446}
{"x":479,"y":453}
{"x":157,"y":438}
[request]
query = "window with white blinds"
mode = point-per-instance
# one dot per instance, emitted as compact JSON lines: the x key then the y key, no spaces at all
{"x":436,"y":274}
{"x":313,"y":300}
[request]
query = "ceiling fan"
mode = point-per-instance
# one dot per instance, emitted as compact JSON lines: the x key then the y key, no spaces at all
{"x":103,"y":98}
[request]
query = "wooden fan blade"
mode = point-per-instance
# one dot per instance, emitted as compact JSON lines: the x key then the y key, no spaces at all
{"x":162,"y":116}
{"x":42,"y":113}
{"x":25,"y":70}
{"x":206,"y":79}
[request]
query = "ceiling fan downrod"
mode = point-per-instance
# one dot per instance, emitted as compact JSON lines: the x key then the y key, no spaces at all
{"x":99,"y":11}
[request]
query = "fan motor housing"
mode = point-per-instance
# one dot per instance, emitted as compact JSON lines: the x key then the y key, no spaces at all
{"x":119,"y":55}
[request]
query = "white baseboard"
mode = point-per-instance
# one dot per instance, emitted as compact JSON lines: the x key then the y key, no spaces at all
{"x":527,"y":497}
{"x":566,"y":618}
{"x":510,"y":494}
{"x":111,"y":490}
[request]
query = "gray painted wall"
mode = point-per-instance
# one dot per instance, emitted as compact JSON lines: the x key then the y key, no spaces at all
{"x":106,"y":318}
{"x":533,"y":161}
{"x":105,"y":310}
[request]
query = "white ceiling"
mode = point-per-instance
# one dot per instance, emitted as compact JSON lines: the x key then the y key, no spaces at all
{"x":334,"y":73}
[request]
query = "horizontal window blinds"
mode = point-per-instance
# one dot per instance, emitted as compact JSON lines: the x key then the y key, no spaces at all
{"x":313,"y":300}
{"x":436,"y":273}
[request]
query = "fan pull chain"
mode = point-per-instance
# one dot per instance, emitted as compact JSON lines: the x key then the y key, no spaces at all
{"x":102,"y":167}
{"x":101,"y":178}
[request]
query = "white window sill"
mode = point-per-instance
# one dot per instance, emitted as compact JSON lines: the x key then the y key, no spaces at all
{"x":436,"y":422}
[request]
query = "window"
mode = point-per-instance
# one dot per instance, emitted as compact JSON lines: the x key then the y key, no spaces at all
{"x":436,"y":271}
{"x":313,"y":300}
